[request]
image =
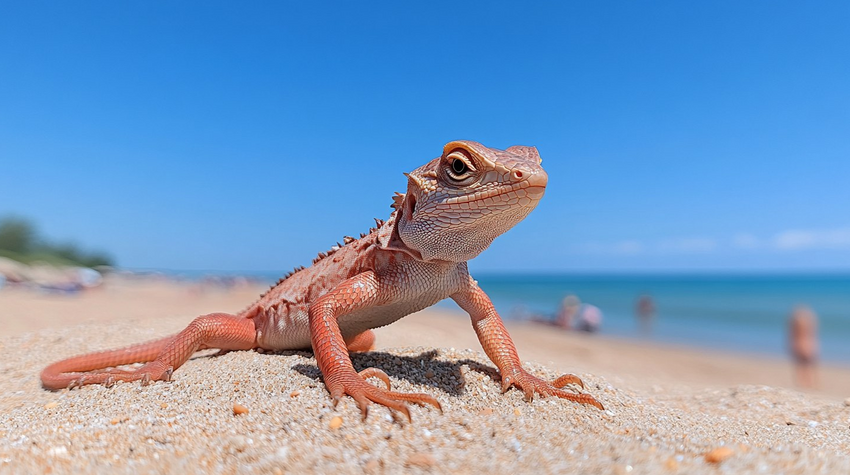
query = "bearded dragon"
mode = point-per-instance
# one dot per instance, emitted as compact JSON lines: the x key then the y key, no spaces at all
{"x":454,"y":207}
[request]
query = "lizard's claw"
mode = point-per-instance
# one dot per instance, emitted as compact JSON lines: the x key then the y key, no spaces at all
{"x":76,"y":383}
{"x":376,"y":373}
{"x":356,"y":386}
{"x":530,"y":384}
{"x":568,"y":379}
{"x":150,"y":372}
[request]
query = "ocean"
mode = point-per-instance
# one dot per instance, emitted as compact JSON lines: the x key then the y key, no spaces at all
{"x":745,"y":313}
{"x":742,"y":313}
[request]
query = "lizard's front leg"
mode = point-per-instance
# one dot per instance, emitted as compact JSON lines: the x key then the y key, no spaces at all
{"x":358,"y":292}
{"x":501,"y":350}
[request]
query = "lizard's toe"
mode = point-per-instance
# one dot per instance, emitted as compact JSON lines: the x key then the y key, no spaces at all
{"x":568,"y":379}
{"x":363,"y":393}
{"x":376,"y":373}
{"x":417,"y":398}
{"x":530,"y":384}
{"x":363,"y":403}
{"x":507,"y":382}
{"x":579,"y":397}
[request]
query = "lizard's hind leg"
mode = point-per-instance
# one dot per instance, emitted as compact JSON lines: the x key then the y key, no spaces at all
{"x":162,"y":357}
{"x":361,"y":342}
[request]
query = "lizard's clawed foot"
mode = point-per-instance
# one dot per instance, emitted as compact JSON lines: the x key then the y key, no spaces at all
{"x":355,"y":385}
{"x":530,"y":384}
{"x":153,"y":371}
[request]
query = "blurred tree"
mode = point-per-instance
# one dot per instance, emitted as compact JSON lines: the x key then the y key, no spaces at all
{"x":19,"y":240}
{"x":66,"y":251}
{"x":72,"y":252}
{"x":97,"y":259}
{"x":17,"y":235}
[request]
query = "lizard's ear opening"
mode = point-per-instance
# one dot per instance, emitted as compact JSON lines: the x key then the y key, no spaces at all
{"x":388,"y":234}
{"x":409,"y":206}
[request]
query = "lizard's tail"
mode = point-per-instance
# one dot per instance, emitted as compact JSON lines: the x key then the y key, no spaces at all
{"x":61,"y":374}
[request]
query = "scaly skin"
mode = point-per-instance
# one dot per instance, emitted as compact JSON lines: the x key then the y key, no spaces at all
{"x":454,"y":207}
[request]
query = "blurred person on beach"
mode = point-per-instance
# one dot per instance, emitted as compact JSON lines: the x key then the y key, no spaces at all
{"x":589,"y":319}
{"x":803,"y":345}
{"x":572,"y":315}
{"x":567,"y":312}
{"x":645,"y":312}
{"x":564,"y":318}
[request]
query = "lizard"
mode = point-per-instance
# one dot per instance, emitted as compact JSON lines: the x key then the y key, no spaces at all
{"x":454,"y":207}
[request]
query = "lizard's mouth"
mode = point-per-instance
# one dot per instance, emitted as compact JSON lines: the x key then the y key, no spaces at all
{"x":532,"y":193}
{"x":535,"y":192}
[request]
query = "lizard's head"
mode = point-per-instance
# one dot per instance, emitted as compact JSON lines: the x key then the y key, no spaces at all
{"x":458,"y":203}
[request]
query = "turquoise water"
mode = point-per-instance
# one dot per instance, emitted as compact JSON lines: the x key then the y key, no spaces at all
{"x":746,"y":313}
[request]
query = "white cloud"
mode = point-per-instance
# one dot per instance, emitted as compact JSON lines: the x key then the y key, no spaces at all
{"x":801,"y":239}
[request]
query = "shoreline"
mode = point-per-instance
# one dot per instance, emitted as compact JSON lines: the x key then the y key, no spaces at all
{"x":635,"y":361}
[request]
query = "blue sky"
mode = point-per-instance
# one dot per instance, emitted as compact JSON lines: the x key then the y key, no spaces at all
{"x":678,"y":136}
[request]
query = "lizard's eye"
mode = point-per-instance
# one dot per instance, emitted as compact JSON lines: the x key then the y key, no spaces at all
{"x":458,"y":167}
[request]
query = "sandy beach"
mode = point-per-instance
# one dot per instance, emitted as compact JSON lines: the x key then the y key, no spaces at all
{"x":668,"y":409}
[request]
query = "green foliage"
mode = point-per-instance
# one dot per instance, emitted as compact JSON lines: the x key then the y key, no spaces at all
{"x":17,"y":235}
{"x":41,"y":257}
{"x":73,"y":253}
{"x":19,"y":241}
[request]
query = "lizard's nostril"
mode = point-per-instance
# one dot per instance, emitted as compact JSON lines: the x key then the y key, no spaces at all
{"x":517,"y":175}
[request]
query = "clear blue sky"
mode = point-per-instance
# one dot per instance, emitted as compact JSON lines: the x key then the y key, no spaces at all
{"x":233,"y":136}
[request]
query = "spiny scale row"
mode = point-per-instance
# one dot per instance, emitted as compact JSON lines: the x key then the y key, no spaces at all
{"x":346,"y":240}
{"x":398,"y":199}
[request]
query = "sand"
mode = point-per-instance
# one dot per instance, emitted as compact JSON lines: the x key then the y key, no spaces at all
{"x":666,"y":407}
